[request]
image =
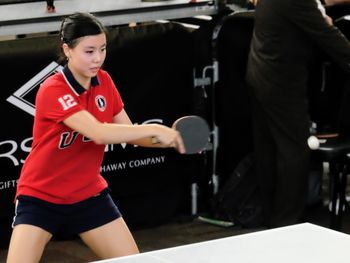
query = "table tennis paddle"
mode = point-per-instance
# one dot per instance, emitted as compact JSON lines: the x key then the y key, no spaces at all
{"x":194,"y":131}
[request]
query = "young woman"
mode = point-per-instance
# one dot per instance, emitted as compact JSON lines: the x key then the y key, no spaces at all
{"x":78,"y":111}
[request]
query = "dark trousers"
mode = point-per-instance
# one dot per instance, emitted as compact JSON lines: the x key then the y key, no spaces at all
{"x":281,"y":130}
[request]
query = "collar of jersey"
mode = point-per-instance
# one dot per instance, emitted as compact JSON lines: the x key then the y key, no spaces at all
{"x":74,"y":84}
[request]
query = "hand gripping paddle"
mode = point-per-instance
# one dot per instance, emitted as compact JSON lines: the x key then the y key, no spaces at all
{"x":194,"y":131}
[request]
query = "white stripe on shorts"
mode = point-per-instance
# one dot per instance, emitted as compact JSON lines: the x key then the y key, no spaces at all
{"x":14,"y":218}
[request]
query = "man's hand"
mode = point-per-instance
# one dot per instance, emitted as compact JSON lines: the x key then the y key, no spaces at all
{"x":336,"y":2}
{"x":329,"y":20}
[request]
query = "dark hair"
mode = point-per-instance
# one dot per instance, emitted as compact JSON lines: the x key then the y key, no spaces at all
{"x":79,"y":25}
{"x":76,"y":26}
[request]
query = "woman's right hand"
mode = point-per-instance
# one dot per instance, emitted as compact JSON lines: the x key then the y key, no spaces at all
{"x":168,"y":137}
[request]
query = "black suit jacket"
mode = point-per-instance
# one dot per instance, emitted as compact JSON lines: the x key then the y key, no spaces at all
{"x":285,"y":32}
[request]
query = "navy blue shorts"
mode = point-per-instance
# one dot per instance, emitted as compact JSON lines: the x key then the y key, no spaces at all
{"x":65,"y":219}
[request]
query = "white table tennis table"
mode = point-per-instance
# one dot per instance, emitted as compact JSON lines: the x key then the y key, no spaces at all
{"x":301,"y":243}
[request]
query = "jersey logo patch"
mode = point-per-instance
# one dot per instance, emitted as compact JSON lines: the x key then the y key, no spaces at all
{"x":101,"y":102}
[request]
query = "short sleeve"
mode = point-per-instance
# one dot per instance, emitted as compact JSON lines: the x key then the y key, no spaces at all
{"x":56,"y":101}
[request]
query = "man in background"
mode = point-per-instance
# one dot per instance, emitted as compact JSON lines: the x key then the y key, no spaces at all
{"x":285,"y":31}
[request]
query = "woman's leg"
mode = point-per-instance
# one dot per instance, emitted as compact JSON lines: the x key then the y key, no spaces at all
{"x":27,"y":244}
{"x":111,"y":240}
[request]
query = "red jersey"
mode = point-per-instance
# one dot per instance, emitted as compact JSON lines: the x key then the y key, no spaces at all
{"x":63,"y":166}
